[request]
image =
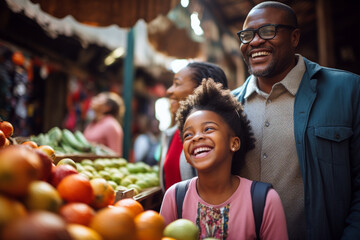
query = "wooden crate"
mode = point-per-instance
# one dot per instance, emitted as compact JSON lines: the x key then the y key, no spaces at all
{"x":150,"y":198}
{"x":124,"y":194}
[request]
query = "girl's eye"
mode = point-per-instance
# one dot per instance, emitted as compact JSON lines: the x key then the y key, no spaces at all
{"x":186,"y":135}
{"x":208,"y":128}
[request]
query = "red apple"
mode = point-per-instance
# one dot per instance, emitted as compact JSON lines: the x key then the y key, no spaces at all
{"x":47,"y":165}
{"x":37,"y":225}
{"x":19,"y":166}
{"x":59,"y":172}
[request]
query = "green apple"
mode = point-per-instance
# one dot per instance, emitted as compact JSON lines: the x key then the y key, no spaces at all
{"x":182,"y":229}
{"x":125,"y":182}
{"x":68,"y":161}
{"x":117,"y":177}
{"x":87,"y":162}
{"x":104,"y":174}
{"x":87,"y":174}
{"x":142,"y":184}
{"x":112,"y":184}
{"x":99,"y":165}
{"x":89,"y":168}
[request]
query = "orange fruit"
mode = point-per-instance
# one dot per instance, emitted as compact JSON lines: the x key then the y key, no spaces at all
{"x":42,"y":196}
{"x":48,"y":150}
{"x":75,"y":188}
{"x":10,"y":210}
{"x":76,"y":212}
{"x":81,"y":232}
{"x":134,"y":206}
{"x":18,"y":58}
{"x":19,"y":166}
{"x":59,"y":172}
{"x":7,"y":142}
{"x":114,"y":223}
{"x":167,"y":238}
{"x":149,"y":225}
{"x":2,"y":139}
{"x":7,"y":128}
{"x":30,"y":143}
{"x":104,"y":194}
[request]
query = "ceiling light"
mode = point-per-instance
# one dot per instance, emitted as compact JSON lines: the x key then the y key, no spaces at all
{"x":178,"y":64}
{"x":195,"y":24}
{"x":117,"y":53}
{"x":184,"y":3}
{"x":109,"y":60}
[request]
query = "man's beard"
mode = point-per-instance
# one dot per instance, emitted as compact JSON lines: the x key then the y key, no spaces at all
{"x":267,"y":72}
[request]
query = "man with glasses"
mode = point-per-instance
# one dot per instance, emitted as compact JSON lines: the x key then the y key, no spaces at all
{"x":306,"y":120}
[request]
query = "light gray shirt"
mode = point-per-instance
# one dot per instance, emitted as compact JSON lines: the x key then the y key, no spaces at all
{"x":274,"y":158}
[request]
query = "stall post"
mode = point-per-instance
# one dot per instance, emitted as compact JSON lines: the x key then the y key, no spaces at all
{"x":128,"y":92}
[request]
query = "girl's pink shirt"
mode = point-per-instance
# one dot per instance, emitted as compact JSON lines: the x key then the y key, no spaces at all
{"x":106,"y":131}
{"x":240,"y":223}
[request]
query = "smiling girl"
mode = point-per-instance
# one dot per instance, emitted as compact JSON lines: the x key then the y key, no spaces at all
{"x":173,"y":166}
{"x":216,"y":136}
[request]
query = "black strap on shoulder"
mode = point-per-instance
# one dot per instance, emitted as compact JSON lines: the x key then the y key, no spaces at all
{"x":193,"y":170}
{"x":258,"y":195}
{"x":180,"y":191}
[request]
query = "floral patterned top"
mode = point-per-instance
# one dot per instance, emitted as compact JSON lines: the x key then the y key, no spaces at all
{"x":231,"y":220}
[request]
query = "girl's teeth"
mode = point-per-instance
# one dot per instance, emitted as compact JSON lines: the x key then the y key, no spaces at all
{"x":201,"y":150}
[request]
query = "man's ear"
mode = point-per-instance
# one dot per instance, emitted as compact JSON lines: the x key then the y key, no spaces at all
{"x":295,"y":37}
{"x":235,"y":144}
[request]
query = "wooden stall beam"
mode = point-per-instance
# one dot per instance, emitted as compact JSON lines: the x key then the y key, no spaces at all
{"x":325,"y":34}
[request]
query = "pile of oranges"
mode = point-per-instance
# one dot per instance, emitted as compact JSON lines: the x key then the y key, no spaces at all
{"x":32,"y":206}
{"x":6,"y":131}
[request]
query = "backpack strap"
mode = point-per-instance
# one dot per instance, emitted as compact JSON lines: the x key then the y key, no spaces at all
{"x":180,"y":191}
{"x":258,"y":196}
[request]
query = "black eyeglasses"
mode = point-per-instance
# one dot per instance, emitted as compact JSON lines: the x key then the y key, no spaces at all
{"x":266,"y":32}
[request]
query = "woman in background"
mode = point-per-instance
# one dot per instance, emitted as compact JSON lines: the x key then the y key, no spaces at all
{"x":105,"y":128}
{"x":173,"y":165}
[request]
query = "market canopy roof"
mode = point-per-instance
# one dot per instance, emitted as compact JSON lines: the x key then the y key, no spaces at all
{"x":89,"y":43}
{"x":124,"y":13}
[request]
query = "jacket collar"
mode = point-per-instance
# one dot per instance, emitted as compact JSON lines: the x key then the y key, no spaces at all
{"x":311,"y":70}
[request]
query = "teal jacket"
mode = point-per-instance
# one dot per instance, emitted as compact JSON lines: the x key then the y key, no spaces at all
{"x":327,"y":135}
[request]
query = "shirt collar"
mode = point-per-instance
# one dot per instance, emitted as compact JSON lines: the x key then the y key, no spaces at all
{"x":291,"y":82}
{"x":252,"y":87}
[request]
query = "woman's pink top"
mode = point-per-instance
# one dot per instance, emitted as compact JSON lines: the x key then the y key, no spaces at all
{"x":106,"y":131}
{"x":231,"y":220}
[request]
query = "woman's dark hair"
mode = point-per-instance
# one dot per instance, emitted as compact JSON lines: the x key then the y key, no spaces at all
{"x":201,"y":70}
{"x":212,"y":97}
{"x":116,"y":105}
{"x":113,"y":107}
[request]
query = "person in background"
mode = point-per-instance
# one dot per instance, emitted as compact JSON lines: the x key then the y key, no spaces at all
{"x":173,"y":165}
{"x":146,"y":144}
{"x":216,"y":136}
{"x":105,"y":128}
{"x":306,"y":120}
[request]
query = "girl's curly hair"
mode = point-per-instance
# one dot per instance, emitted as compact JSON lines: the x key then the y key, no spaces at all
{"x":212,"y":97}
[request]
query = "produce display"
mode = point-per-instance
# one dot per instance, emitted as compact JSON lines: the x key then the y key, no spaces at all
{"x":41,"y":199}
{"x":6,"y":131}
{"x":120,"y":174}
{"x":63,"y":141}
